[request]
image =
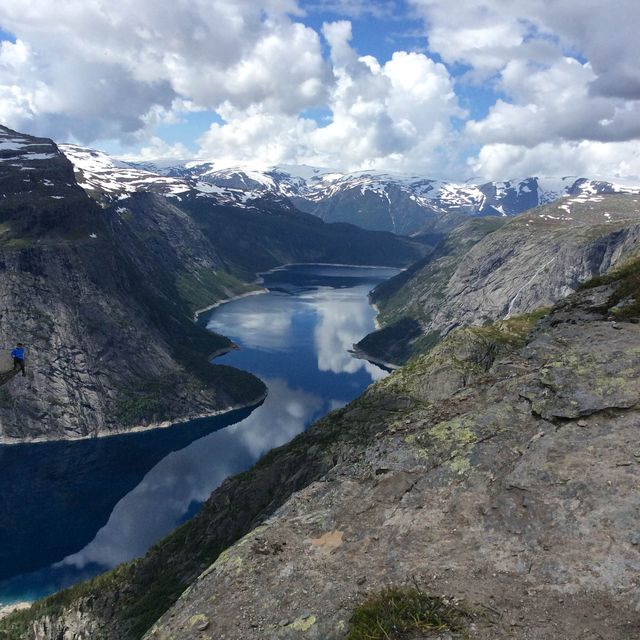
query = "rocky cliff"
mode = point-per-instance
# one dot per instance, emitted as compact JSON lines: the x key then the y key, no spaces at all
{"x":101,"y":331}
{"x":489,"y":269}
{"x":103,"y":294}
{"x":486,"y":490}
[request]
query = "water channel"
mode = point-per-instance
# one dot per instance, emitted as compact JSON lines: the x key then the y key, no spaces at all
{"x":70,"y":510}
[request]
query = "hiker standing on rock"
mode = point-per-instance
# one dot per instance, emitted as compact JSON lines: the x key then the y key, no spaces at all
{"x":18,"y":358}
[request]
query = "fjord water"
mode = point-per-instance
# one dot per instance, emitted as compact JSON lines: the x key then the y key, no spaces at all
{"x":70,"y":510}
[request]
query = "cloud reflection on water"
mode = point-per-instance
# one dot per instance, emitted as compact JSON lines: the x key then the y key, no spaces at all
{"x":344,"y":319}
{"x":262,"y":324}
{"x":159,"y":502}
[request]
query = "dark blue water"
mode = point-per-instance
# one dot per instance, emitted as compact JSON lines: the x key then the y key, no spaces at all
{"x":70,"y":510}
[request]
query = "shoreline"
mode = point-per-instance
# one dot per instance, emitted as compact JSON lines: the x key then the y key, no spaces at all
{"x":334,"y":264}
{"x":360,"y":354}
{"x":6,"y":609}
{"x":215,"y":305}
{"x":165,"y":424}
{"x":260,"y":280}
{"x":223,"y":351}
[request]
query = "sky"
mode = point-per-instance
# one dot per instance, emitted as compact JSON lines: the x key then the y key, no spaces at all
{"x":496,"y":89}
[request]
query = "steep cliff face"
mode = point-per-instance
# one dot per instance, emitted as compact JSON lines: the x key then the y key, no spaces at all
{"x":101,"y":331}
{"x":485,"y":273}
{"x":498,"y":470}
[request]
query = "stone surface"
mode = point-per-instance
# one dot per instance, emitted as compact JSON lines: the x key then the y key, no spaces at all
{"x":486,"y":496}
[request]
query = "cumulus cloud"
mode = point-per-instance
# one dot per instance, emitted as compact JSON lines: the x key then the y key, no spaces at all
{"x":396,"y":116}
{"x":567,"y":73}
{"x":619,"y":161}
{"x":562,"y":74}
{"x":98,"y":69}
{"x":554,"y":103}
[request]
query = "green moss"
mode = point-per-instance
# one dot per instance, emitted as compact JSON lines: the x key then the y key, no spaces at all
{"x":456,"y":432}
{"x":205,"y":287}
{"x":399,"y":613}
{"x":460,"y":465}
{"x":303,"y":624}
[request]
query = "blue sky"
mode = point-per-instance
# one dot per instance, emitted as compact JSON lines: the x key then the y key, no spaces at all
{"x":494,"y":89}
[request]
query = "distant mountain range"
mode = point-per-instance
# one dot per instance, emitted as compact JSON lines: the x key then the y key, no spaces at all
{"x":403,"y":204}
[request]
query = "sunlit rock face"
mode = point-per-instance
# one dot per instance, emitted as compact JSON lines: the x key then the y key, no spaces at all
{"x":514,"y":486}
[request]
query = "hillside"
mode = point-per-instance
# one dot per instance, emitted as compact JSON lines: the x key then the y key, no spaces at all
{"x":110,"y":342}
{"x":103,"y":292}
{"x":492,"y":269}
{"x":491,"y":479}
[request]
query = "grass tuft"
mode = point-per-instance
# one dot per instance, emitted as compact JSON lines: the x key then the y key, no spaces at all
{"x":399,"y":613}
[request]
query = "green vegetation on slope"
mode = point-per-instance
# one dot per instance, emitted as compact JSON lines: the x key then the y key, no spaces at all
{"x":625,"y":300}
{"x":205,"y":287}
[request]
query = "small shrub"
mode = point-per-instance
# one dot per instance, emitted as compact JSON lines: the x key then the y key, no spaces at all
{"x":399,"y":613}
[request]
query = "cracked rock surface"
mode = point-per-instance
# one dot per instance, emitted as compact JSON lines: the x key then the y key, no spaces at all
{"x":518,"y":494}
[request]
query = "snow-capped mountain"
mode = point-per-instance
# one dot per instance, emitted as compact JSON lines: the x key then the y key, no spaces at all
{"x":405,"y":204}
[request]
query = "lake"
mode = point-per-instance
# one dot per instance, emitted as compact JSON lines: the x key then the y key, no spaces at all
{"x":70,"y":510}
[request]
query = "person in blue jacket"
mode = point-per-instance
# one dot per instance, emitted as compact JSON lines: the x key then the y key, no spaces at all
{"x":18,"y":358}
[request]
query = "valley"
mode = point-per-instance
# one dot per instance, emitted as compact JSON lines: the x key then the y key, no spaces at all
{"x":513,"y":335}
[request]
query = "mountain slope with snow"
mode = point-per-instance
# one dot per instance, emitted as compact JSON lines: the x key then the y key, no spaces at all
{"x":403,"y":204}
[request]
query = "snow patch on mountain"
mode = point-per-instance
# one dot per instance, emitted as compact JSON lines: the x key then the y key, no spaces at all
{"x":374,"y":199}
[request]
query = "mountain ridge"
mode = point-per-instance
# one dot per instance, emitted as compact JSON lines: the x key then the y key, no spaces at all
{"x":378,"y":200}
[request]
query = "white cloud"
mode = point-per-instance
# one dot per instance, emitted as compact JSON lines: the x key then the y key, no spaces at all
{"x":396,"y":115}
{"x":98,"y":69}
{"x":619,"y":161}
{"x":554,"y":103}
{"x":564,"y":72}
{"x":569,"y":76}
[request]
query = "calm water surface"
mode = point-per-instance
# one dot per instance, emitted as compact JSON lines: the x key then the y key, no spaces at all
{"x":71,"y":510}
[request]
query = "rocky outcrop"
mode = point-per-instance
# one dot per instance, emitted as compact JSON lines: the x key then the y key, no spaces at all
{"x":480,"y":274}
{"x":498,"y":470}
{"x":515,"y":493}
